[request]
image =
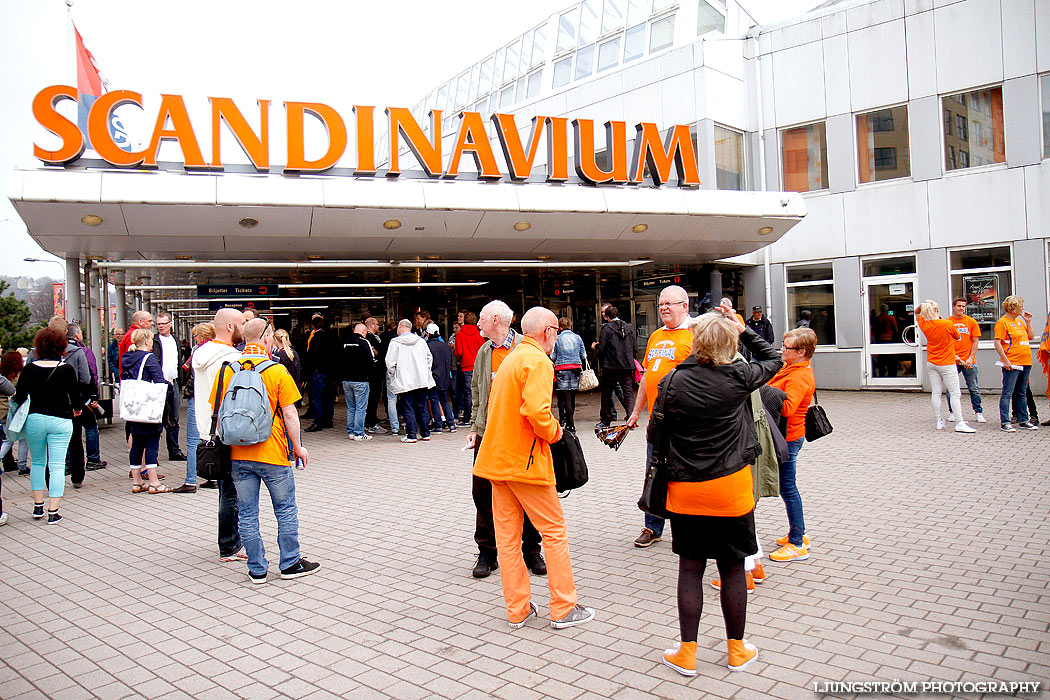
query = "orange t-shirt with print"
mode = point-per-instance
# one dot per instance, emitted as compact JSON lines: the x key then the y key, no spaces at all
{"x":1014,"y":336}
{"x":940,"y":340}
{"x":969,"y":333}
{"x":665,"y":349}
{"x":281,"y":390}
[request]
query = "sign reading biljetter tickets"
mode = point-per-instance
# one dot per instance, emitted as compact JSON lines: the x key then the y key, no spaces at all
{"x":655,"y":153}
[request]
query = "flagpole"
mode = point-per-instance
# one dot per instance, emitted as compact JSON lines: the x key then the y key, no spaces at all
{"x":70,"y":69}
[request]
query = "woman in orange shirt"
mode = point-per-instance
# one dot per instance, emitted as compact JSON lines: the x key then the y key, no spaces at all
{"x":708,"y":439}
{"x":941,"y":335}
{"x":797,"y":381}
{"x":1013,"y":336}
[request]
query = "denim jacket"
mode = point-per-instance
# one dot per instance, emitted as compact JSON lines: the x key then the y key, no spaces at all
{"x":569,"y":350}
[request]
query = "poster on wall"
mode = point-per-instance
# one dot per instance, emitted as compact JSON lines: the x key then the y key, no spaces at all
{"x":982,"y":297}
{"x":58,"y":293}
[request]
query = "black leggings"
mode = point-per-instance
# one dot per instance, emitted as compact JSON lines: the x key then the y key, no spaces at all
{"x":567,"y":407}
{"x":691,"y":596}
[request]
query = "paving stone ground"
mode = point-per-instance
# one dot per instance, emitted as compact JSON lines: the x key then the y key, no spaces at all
{"x":929,"y":563}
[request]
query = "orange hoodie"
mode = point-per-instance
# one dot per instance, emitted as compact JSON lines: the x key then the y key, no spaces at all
{"x":798,"y":383}
{"x":520,"y":423}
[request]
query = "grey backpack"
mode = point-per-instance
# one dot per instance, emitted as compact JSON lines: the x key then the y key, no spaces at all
{"x":244,"y":414}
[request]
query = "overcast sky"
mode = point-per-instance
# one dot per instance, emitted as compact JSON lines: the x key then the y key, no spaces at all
{"x":381,"y":53}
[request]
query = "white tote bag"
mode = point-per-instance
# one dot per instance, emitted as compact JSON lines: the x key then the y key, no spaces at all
{"x":142,"y":401}
{"x":588,"y":379}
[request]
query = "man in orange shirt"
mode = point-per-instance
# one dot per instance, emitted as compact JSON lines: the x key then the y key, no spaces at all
{"x":268,"y":462}
{"x":517,"y":462}
{"x":966,"y":354}
{"x":666,"y":348}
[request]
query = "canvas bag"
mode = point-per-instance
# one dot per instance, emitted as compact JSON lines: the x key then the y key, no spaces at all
{"x":244,"y":414}
{"x":142,"y":401}
{"x":588,"y":379}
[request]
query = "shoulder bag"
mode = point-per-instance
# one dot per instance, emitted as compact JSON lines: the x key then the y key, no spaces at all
{"x":817,"y":423}
{"x":142,"y":401}
{"x":588,"y":379}
{"x":213,"y":457}
{"x":570,"y":466}
{"x":18,"y":413}
{"x":654,"y":489}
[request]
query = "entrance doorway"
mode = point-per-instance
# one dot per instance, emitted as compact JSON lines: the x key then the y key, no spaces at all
{"x":888,"y":360}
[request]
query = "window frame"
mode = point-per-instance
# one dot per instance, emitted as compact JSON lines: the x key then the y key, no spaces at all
{"x":745,"y":180}
{"x":1044,"y":129}
{"x":986,"y":340}
{"x":856,"y":147}
{"x":788,"y":286}
{"x":780,"y":154}
{"x":945,"y":172}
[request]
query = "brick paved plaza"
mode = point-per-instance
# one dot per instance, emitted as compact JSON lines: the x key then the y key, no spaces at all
{"x":929,"y":563}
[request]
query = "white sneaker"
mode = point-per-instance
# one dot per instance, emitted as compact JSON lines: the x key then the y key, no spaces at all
{"x":940,"y":424}
{"x":951,"y":417}
{"x":362,"y":438}
{"x":980,"y":418}
{"x":3,"y":518}
{"x":961,"y":427}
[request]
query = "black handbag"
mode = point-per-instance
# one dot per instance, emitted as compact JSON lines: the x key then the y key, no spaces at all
{"x":213,"y":457}
{"x":570,"y":467}
{"x":817,"y":423}
{"x":654,"y":490}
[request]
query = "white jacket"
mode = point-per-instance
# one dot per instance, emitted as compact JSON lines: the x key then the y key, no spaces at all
{"x":207,"y":359}
{"x":408,"y":364}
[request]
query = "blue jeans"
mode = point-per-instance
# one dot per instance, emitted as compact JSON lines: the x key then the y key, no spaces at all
{"x":391,"y":407}
{"x":91,"y":438}
{"x":48,"y":439}
{"x":172,"y":433}
{"x":415,"y":404}
{"x":651,"y":521}
{"x":321,"y":393}
{"x":193,"y":439}
{"x":439,"y":404}
{"x":789,"y":492}
{"x":463,"y":400}
{"x":356,"y":395}
{"x":23,"y":453}
{"x":247,"y":476}
{"x":970,"y":377}
{"x":1015,"y":386}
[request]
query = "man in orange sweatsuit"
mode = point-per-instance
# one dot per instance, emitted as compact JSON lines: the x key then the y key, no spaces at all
{"x":518,"y":463}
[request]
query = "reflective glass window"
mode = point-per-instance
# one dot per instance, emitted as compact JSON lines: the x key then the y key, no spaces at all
{"x":539,"y":45}
{"x":813,"y":305}
{"x":589,"y":23}
{"x":494,"y":101}
{"x":637,"y":11}
{"x":709,"y":19}
{"x":974,"y":134}
{"x":510,"y":67}
{"x":634,"y":43}
{"x":612,"y":16}
{"x":567,"y":29}
{"x":585,"y":61}
{"x":805,"y":158}
{"x":1044,"y":86}
{"x":661,"y":35}
{"x":535,"y":79}
{"x":526,"y":53}
{"x":485,"y":84}
{"x":882,"y":144}
{"x":519,"y":89}
{"x":506,"y":97}
{"x":809,"y":272}
{"x":462,"y":85}
{"x":475,"y":76}
{"x":729,"y":159}
{"x":442,"y":98}
{"x":609,"y":54}
{"x":662,"y":4}
{"x":562,"y":72}
{"x":903,"y":265}
{"x":497,"y":69}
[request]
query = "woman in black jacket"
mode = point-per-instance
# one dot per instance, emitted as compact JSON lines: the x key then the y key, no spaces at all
{"x":709,"y":437}
{"x":145,"y":437}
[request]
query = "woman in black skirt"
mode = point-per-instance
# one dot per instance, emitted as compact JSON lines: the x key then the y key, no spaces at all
{"x":711,"y":442}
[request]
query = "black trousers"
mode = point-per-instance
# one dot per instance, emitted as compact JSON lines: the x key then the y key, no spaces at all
{"x":485,"y":530}
{"x":229,"y":535}
{"x":620,"y":382}
{"x":375,"y":395}
{"x":75,"y":452}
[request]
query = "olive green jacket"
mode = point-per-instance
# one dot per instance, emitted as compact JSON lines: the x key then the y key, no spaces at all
{"x":765,"y":472}
{"x":481,"y":385}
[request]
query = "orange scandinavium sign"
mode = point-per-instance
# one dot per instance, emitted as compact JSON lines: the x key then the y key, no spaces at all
{"x":660,"y":152}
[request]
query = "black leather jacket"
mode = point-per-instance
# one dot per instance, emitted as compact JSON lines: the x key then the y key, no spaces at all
{"x":709,"y":422}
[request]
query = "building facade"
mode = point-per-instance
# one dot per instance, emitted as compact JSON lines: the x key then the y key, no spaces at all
{"x":918,"y":131}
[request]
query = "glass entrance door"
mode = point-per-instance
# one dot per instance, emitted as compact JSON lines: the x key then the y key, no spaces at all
{"x":889,"y":360}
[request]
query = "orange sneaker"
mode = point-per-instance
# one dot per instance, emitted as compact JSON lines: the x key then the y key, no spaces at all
{"x":784,"y":540}
{"x":682,"y":658}
{"x":790,"y":552}
{"x":758,"y":573}
{"x":741,"y":654}
{"x":717,"y":583}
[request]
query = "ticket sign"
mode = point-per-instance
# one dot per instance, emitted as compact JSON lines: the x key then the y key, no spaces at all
{"x":239,"y":304}
{"x":238,"y":290}
{"x":658,"y":281}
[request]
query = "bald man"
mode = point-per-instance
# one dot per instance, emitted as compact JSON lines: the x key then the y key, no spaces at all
{"x":207,"y":359}
{"x":139,"y":319}
{"x":515,"y":457}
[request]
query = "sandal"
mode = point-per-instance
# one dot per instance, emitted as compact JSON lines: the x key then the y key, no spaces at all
{"x":159,"y":488}
{"x":138,"y":488}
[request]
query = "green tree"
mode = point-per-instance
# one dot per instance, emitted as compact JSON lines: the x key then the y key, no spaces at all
{"x":14,"y":320}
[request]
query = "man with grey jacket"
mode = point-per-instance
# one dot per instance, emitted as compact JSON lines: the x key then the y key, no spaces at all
{"x":494,"y":324}
{"x":408,"y":367}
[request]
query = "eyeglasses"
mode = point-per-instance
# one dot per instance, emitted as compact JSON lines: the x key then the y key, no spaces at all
{"x":556,"y":329}
{"x":663,"y":304}
{"x":790,"y":347}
